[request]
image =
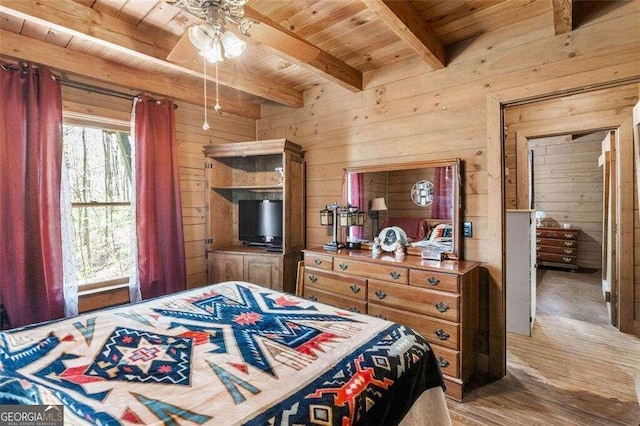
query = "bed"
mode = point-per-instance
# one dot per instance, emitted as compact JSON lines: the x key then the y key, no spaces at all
{"x":229,"y":353}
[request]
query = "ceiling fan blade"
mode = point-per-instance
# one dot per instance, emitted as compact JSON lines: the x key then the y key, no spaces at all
{"x":184,"y":51}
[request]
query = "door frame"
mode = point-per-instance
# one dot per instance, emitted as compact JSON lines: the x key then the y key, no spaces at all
{"x":496,"y":208}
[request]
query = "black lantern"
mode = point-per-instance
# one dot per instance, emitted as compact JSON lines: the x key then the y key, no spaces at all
{"x":326,"y":217}
{"x":335,"y":215}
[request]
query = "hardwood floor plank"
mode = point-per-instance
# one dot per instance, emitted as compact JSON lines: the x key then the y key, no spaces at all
{"x":575,"y":369}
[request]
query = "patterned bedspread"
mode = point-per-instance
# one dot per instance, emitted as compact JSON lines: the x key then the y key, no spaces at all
{"x":230,"y":353}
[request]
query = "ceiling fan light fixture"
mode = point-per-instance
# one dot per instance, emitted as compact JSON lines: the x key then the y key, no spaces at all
{"x":214,"y":54}
{"x":202,"y":36}
{"x":210,"y":38}
{"x":233,"y":46}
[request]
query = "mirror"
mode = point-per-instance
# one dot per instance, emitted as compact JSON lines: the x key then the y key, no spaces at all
{"x":422,"y":198}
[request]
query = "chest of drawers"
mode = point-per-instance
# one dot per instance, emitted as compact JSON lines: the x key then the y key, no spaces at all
{"x":557,"y":247}
{"x":439,"y":299}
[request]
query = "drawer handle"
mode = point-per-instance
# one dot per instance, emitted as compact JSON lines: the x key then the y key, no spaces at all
{"x":538,"y":233}
{"x":568,"y":235}
{"x":433,"y":280}
{"x":380,"y":294}
{"x":442,"y":307}
{"x":538,"y":240}
{"x":381,"y":316}
{"x":568,"y":251}
{"x":343,"y":266}
{"x":568,"y":243}
{"x":317,"y":262}
{"x":442,"y":363}
{"x":395,"y":275}
{"x":567,"y":259}
{"x":354,"y":309}
{"x":313,"y":278}
{"x":354,"y":288}
{"x":441,"y":334}
{"x":313,"y":298}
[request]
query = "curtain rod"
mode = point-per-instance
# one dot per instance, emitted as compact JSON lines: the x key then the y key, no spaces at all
{"x":97,"y":89}
{"x":78,"y":85}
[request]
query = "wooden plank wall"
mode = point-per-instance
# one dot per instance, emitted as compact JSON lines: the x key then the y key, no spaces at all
{"x":408,"y":113}
{"x":567,"y":186}
{"x":400,"y":184}
{"x":191,"y":139}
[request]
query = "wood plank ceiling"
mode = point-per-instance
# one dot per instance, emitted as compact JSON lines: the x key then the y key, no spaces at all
{"x":298,"y":44}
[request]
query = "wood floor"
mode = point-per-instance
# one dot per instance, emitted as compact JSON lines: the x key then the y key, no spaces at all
{"x":575,"y":369}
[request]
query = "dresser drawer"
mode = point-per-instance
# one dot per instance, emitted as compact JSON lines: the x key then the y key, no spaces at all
{"x":556,"y":258}
{"x":428,"y":302}
{"x":318,"y":261}
{"x":557,"y":243}
{"x":448,"y":360}
{"x":434,"y":280}
{"x":436,"y":331}
{"x":338,"y":284}
{"x":371,"y":270}
{"x":571,"y":251}
{"x":353,"y":305}
{"x":566,"y":234}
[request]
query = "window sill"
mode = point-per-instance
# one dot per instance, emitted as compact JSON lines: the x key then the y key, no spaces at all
{"x":103,"y":297}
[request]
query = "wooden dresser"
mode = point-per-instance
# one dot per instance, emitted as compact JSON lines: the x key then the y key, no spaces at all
{"x":557,"y":247}
{"x":439,"y":299}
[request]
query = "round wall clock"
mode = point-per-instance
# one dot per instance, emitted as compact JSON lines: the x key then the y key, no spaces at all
{"x":391,"y":236}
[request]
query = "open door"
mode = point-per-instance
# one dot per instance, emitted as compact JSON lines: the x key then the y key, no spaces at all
{"x":607,"y":162}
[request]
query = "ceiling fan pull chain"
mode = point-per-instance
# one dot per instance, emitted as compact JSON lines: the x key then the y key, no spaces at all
{"x":205,"y":126}
{"x":217,"y":106}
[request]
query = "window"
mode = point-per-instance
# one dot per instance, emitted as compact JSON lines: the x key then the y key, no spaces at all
{"x":99,"y":170}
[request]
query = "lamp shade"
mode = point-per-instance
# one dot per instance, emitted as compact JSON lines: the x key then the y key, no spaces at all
{"x":357,"y":218}
{"x":233,"y":46}
{"x":202,"y":36}
{"x":214,"y":54}
{"x":326,"y":217}
{"x":378,"y":204}
{"x":345,"y":218}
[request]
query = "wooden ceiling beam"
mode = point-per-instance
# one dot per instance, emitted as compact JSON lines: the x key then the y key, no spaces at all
{"x":405,"y":21}
{"x":562,"y":16}
{"x":294,"y":48}
{"x":96,"y":27}
{"x":71,"y":62}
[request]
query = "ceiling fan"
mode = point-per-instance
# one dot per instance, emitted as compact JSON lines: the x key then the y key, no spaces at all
{"x":210,"y":38}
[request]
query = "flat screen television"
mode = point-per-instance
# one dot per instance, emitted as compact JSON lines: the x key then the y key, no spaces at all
{"x":260,"y":222}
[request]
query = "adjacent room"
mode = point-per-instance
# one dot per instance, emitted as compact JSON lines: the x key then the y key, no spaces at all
{"x":321,"y":211}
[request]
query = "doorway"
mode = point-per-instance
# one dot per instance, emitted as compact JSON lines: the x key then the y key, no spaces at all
{"x":552,"y":150}
{"x":571,"y":310}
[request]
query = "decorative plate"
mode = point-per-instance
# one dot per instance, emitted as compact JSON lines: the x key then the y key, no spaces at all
{"x":390,"y":236}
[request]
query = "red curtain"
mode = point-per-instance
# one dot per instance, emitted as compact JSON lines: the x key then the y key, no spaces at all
{"x":357,"y":197}
{"x":442,"y":207}
{"x":161,"y":264}
{"x":31,"y":279}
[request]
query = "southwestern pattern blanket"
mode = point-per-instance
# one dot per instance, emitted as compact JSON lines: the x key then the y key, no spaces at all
{"x":230,"y":353}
